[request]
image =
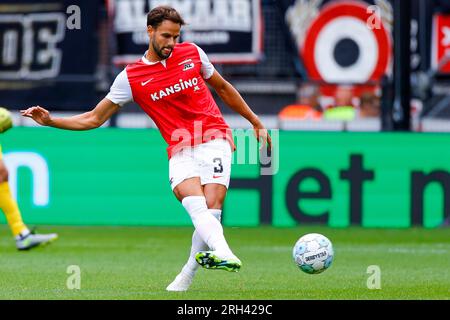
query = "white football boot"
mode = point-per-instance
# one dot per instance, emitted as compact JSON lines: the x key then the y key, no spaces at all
{"x":32,"y":240}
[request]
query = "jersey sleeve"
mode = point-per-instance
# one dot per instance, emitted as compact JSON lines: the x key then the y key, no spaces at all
{"x":120,"y":91}
{"x":207,"y":66}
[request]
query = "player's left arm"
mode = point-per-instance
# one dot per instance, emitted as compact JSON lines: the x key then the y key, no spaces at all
{"x":234,"y":100}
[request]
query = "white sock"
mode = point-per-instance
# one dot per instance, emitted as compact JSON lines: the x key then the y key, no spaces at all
{"x":198,"y":244}
{"x":208,"y":228}
{"x":23,"y":234}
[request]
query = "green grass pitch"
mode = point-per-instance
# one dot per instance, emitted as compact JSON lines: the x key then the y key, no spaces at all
{"x":139,"y":262}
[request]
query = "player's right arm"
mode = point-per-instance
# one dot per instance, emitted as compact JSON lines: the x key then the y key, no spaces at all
{"x":119,"y":94}
{"x":85,"y":121}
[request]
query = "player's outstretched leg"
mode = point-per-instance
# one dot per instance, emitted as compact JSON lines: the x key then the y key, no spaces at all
{"x":211,"y":231}
{"x":24,"y":238}
{"x":184,"y":279}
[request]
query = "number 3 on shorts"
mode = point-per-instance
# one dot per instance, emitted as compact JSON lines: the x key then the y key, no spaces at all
{"x":219,"y":167}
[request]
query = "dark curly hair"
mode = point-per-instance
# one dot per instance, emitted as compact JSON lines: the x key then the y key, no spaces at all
{"x":157,"y":15}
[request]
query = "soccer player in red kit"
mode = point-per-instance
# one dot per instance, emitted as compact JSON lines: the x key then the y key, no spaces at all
{"x":169,"y":84}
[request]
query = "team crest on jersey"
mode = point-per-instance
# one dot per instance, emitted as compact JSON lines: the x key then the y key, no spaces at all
{"x":188,"y":66}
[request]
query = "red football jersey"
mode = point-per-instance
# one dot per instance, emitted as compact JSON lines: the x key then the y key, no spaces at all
{"x":175,"y":96}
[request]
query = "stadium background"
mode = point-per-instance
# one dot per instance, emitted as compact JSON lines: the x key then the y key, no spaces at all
{"x":305,"y":67}
{"x":72,"y":68}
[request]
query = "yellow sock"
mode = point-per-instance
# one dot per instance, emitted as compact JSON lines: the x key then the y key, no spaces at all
{"x":11,"y":210}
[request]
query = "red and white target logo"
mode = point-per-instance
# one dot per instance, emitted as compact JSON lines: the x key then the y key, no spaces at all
{"x":340,"y":47}
{"x":441,"y":43}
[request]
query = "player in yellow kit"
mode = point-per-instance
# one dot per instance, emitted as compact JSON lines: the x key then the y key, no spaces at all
{"x":25,"y":239}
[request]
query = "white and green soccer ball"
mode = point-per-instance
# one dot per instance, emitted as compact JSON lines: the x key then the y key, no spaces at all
{"x":313,"y":253}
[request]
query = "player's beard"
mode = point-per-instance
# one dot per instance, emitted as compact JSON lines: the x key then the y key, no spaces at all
{"x":159,"y":50}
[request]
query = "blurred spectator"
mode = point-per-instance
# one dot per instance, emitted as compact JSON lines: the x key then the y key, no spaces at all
{"x":343,"y":108}
{"x":369,"y":106}
{"x":307,"y":106}
{"x":343,"y":96}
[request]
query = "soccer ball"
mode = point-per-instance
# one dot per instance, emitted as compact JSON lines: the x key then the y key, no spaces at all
{"x":313,"y":253}
{"x":5,"y":120}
